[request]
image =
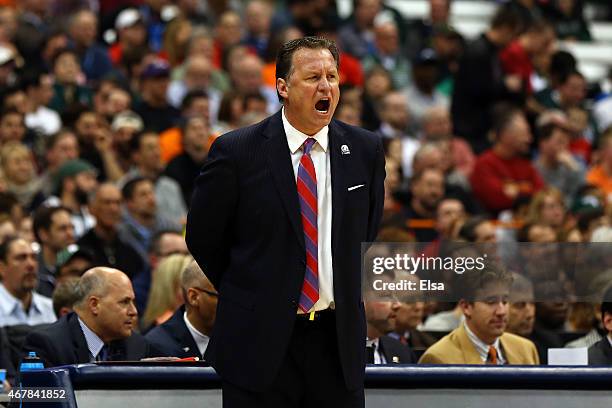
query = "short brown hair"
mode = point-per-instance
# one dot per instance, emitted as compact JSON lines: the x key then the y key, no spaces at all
{"x":284,"y":59}
{"x":471,"y":282}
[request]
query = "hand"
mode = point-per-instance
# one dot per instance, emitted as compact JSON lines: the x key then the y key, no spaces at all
{"x":565,"y":158}
{"x":514,"y":83}
{"x":103,"y":141}
{"x":511,"y":189}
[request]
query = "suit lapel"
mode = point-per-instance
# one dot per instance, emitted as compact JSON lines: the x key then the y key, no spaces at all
{"x":179,"y":331}
{"x":470,"y":355}
{"x":509,"y":353}
{"x":78,"y":339}
{"x":339,"y":168}
{"x":279,"y":161}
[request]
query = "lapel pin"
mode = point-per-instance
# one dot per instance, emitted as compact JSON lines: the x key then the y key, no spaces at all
{"x":396,"y":359}
{"x":185,"y":348}
{"x":344,"y":149}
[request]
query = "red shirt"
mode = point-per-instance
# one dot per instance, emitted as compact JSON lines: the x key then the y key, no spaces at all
{"x":350,"y":70}
{"x":516,"y":61}
{"x":491,"y":173}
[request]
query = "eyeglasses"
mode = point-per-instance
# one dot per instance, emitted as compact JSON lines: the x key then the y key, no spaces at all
{"x":208,"y":292}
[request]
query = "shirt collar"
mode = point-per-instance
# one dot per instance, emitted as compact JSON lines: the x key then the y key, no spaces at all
{"x":200,"y":339}
{"x":94,"y":343}
{"x":9,"y":303}
{"x":296,"y":139}
{"x":609,"y":337}
{"x":481,"y":347}
{"x":372,"y":342}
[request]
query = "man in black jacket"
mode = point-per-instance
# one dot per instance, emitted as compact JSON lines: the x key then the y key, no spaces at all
{"x":277,"y":219}
{"x":600,"y":353}
{"x":480,"y":81}
{"x":187,"y":332}
{"x":100,"y":328}
{"x":381,"y":348}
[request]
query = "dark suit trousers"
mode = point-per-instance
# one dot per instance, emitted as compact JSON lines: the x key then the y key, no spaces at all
{"x":310,"y":375}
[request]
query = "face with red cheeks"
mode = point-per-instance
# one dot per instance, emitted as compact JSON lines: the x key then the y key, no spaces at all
{"x":311,"y":91}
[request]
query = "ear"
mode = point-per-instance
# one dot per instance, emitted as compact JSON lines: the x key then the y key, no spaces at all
{"x":94,"y":305}
{"x":282,"y":87}
{"x":69,"y":184}
{"x":607,"y":321}
{"x":43,"y":234}
{"x":192,"y":297}
{"x":466,"y":308}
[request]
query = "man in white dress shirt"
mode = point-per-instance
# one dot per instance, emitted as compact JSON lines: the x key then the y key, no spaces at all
{"x":19,"y":303}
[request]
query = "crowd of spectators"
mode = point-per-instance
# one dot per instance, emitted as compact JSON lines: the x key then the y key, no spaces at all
{"x":108,"y":110}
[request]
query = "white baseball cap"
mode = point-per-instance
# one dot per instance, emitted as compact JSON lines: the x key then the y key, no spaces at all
{"x":127,"y":18}
{"x":6,"y":55}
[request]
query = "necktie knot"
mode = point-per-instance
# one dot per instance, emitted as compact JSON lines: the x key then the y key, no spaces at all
{"x":308,"y":144}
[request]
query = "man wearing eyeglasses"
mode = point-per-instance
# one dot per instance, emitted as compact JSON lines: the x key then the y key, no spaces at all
{"x":187,"y":332}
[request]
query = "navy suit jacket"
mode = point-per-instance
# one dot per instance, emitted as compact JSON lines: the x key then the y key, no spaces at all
{"x":173,"y":339}
{"x":395,"y":352}
{"x":244,"y":229}
{"x":600,"y":353}
{"x":63,"y":343}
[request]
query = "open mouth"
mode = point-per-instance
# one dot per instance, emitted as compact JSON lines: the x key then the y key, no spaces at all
{"x":322,"y":105}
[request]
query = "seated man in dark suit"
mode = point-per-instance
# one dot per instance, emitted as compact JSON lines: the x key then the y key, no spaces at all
{"x":600,"y":353}
{"x":187,"y":332}
{"x":409,"y":316}
{"x":380,"y":348}
{"x":100,"y":328}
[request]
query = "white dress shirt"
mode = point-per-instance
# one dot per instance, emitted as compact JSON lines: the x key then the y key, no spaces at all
{"x":379,"y":357}
{"x":320,"y":158}
{"x":94,"y":342}
{"x":12,"y":312}
{"x":200,"y":339}
{"x":483,"y":348}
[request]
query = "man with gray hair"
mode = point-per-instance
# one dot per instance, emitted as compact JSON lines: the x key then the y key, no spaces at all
{"x":186,"y":333}
{"x":100,"y":328}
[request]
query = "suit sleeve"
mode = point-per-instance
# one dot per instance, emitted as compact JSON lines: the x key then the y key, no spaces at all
{"x":430,"y":358}
{"x":377,"y":192}
{"x":42,"y":346}
{"x":210,"y":216}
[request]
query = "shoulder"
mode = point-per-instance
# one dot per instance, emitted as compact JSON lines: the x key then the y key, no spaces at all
{"x":393,"y":346}
{"x":158,"y":334}
{"x":52,"y":332}
{"x":355,"y":133}
{"x":512,"y":340}
{"x":237,"y":138}
{"x":44,"y":303}
{"x":442,"y":349}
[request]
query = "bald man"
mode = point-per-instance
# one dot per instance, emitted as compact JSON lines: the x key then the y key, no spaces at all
{"x":101,"y":328}
{"x":187,"y":332}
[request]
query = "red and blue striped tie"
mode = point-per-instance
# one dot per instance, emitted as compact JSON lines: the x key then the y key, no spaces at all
{"x":307,"y":193}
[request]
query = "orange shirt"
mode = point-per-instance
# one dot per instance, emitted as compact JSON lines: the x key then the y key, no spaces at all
{"x":170,"y":144}
{"x":598,"y":177}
